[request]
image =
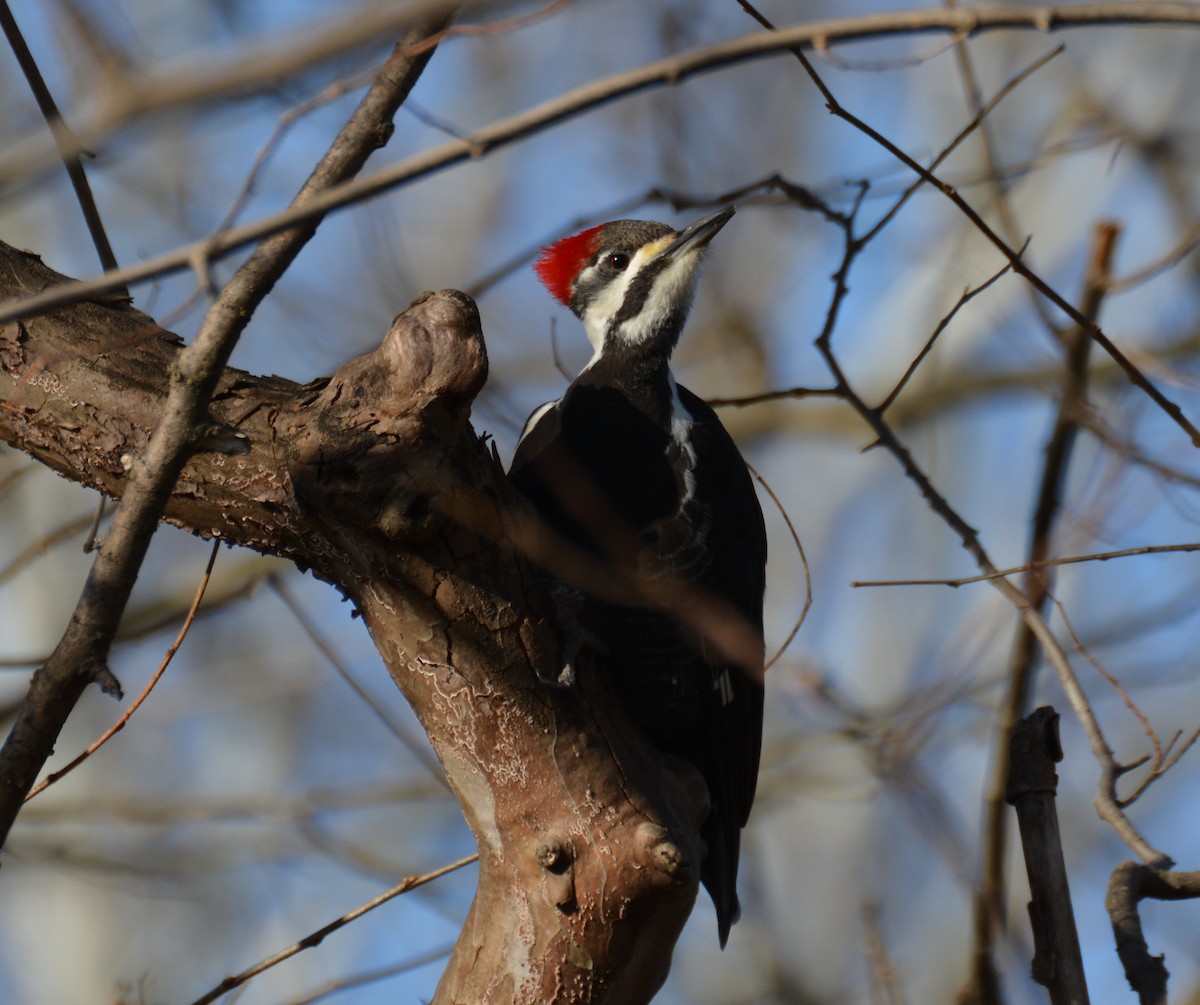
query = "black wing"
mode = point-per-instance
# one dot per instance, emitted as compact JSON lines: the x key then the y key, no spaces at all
{"x":599,"y":472}
{"x":736,"y":573}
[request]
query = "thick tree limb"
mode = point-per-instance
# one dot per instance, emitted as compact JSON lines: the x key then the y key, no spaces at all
{"x":375,"y":480}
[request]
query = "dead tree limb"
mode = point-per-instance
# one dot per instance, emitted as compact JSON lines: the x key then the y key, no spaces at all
{"x":375,"y":480}
{"x":1131,"y":883}
{"x":1032,"y":786}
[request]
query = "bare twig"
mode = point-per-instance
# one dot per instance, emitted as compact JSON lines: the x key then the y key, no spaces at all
{"x":317,"y":937}
{"x":1087,"y":326}
{"x":977,"y":122}
{"x":968,"y":295}
{"x":1041,"y":564}
{"x":1106,"y":803}
{"x":1164,"y":757}
{"x":808,"y":594}
{"x":119,"y":725}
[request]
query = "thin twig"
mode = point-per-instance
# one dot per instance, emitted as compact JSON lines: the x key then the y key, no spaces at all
{"x":317,"y":937}
{"x":808,"y":593}
{"x":979,"y":121}
{"x":119,"y":725}
{"x":1044,"y":563}
{"x":969,"y":294}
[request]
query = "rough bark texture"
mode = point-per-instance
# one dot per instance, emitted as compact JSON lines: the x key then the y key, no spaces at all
{"x":376,"y":481}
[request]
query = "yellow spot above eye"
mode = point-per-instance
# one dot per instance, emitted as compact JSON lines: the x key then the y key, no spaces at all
{"x":654,"y":247}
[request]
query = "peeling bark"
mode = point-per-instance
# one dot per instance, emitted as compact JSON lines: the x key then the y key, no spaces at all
{"x":375,"y":480}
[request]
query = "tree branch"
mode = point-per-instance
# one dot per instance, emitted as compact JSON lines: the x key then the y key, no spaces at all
{"x":374,"y":479}
{"x":185,"y":427}
{"x":1132,"y":882}
{"x":660,"y":73}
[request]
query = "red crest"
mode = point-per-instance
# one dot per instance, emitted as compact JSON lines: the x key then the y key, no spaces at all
{"x":558,"y":265}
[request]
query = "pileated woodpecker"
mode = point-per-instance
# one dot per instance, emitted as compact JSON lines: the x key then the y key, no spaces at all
{"x":638,"y":473}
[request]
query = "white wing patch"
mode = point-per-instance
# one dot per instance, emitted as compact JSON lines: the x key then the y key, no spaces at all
{"x":539,"y":413}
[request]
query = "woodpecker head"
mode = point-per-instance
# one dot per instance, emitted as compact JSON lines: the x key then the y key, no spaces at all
{"x":631,"y":281}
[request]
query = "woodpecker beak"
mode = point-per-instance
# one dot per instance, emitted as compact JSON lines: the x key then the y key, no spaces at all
{"x":696,"y":236}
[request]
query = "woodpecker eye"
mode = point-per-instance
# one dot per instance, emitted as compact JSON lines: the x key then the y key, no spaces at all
{"x":618,"y":262}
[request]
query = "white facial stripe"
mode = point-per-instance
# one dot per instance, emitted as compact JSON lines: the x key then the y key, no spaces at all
{"x":681,"y":272}
{"x":674,"y":286}
{"x":601,"y":310}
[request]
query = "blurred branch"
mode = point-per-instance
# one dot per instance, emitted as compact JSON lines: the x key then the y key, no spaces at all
{"x":417,"y":748}
{"x":317,"y":937}
{"x":1131,"y":883}
{"x":186,"y":427}
{"x":68,"y":147}
{"x":660,"y":73}
{"x":378,"y":974}
{"x":266,"y":807}
{"x":989,"y":907}
{"x":996,"y":178}
{"x":885,"y":982}
{"x":36,"y":549}
{"x":127,"y":97}
{"x":1186,"y":244}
